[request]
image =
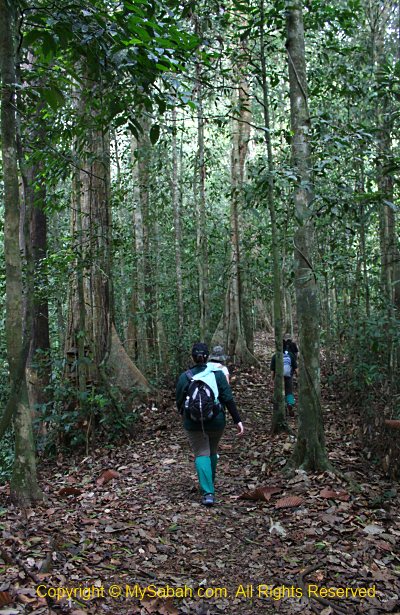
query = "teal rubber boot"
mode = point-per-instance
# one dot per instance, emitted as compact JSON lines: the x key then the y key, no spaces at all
{"x":204,"y":472}
{"x":290,"y":399}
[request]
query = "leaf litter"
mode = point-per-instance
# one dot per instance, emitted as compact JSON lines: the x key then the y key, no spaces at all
{"x":131,"y":516}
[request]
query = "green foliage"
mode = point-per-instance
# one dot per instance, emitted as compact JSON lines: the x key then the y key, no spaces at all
{"x":6,"y":457}
{"x":74,"y":419}
{"x":370,"y":346}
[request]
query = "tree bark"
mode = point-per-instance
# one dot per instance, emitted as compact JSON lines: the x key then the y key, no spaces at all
{"x":137,"y":330}
{"x":176,"y":202}
{"x":33,"y":239}
{"x":199,"y":193}
{"x":90,"y":328}
{"x":24,"y":486}
{"x":231,"y":331}
{"x":279,"y":422}
{"x":310,"y":452}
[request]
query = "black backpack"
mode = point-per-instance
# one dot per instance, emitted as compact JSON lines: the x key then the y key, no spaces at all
{"x":200,"y":404}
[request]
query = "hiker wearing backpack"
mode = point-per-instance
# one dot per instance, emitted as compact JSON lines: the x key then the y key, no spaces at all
{"x":289,"y":368}
{"x":217,"y":358}
{"x":290,"y":345}
{"x":202,"y":393}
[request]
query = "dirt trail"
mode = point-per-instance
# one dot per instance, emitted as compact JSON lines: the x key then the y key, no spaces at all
{"x":146,"y":529}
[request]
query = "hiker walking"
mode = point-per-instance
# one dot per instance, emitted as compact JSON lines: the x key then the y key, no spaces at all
{"x":289,"y":368}
{"x":290,"y":345}
{"x":218,"y":358}
{"x":202,"y":392}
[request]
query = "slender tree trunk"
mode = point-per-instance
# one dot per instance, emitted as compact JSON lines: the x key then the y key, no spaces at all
{"x":380,"y":16}
{"x":176,"y":202}
{"x":310,"y":452}
{"x":387,"y":235}
{"x":138,"y":340}
{"x":24,"y":487}
{"x":279,"y":422}
{"x":39,"y":355}
{"x":148,"y":235}
{"x":199,"y":192}
{"x":231,"y":331}
{"x":59,"y":342}
{"x":33,"y":233}
{"x":124,"y":221}
{"x":363,"y":233}
{"x":161,"y":338}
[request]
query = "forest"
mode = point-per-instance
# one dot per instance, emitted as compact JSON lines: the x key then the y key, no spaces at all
{"x":223,"y":172}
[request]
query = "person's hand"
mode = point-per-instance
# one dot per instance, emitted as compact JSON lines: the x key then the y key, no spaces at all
{"x":240,"y":429}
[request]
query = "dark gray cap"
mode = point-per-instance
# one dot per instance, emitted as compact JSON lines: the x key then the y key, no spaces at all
{"x":218,"y":354}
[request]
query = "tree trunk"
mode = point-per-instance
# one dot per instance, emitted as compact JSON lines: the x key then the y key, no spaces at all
{"x":137,"y":330}
{"x":310,"y":452}
{"x":33,"y":239}
{"x":279,"y":422}
{"x":39,"y":354}
{"x":230,"y":331}
{"x":387,"y":235}
{"x":24,"y":487}
{"x":90,"y":327}
{"x":200,"y":200}
{"x":176,"y":203}
{"x":199,"y":193}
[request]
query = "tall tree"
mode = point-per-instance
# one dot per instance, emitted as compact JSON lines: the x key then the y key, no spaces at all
{"x":138,"y":319}
{"x":91,"y":335}
{"x":176,"y":205}
{"x":231,"y":330}
{"x":310,"y":452}
{"x":279,"y":422}
{"x":24,"y":486}
{"x":30,"y":138}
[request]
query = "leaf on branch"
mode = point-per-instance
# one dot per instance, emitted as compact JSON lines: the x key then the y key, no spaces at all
{"x":154,"y":133}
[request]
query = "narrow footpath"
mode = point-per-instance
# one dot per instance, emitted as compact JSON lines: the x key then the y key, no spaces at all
{"x":126,"y":526}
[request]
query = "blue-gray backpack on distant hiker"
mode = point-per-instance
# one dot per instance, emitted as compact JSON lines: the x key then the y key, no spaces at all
{"x":287,"y":364}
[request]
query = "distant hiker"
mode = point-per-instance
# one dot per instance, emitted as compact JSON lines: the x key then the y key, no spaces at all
{"x":290,"y":345}
{"x":289,"y":368}
{"x":202,"y":392}
{"x":218,"y":358}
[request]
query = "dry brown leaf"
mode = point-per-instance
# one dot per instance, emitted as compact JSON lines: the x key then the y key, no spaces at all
{"x":261,"y":493}
{"x":106,"y":476}
{"x":289,"y":502}
{"x":164,"y":606}
{"x":332,"y":494}
{"x":70,"y":491}
{"x":26,"y":599}
{"x":394,"y":424}
{"x":5,"y":598}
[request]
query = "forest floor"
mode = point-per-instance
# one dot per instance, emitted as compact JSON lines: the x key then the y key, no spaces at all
{"x":138,"y":540}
